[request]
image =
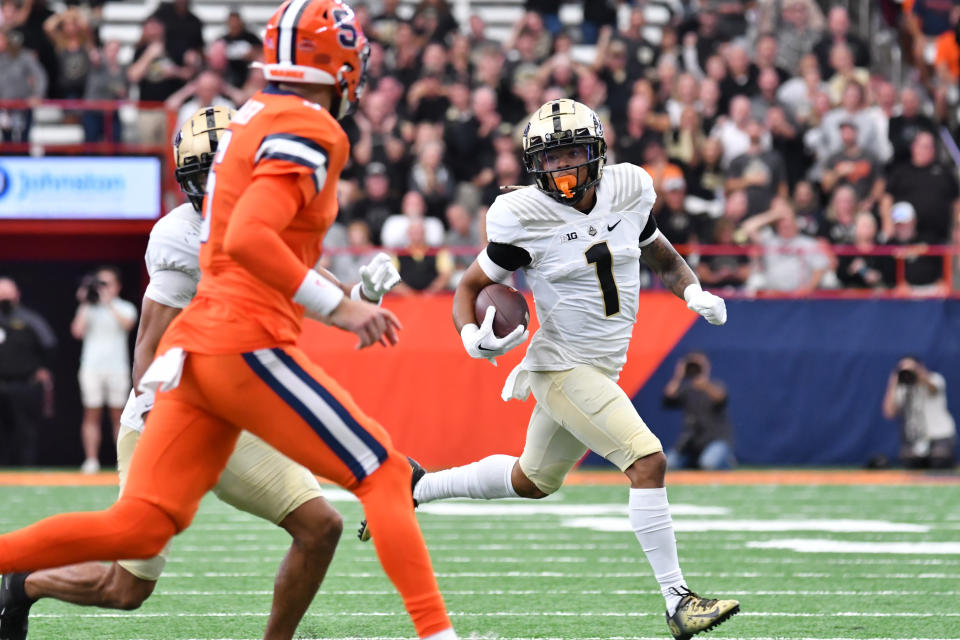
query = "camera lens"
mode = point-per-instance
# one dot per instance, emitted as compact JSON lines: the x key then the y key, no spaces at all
{"x":692,"y":369}
{"x":905,"y":376}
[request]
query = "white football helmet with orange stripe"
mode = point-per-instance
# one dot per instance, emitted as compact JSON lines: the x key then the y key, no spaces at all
{"x":317,"y":42}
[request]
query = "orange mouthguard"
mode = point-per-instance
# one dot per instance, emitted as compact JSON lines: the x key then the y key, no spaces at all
{"x":566,"y":184}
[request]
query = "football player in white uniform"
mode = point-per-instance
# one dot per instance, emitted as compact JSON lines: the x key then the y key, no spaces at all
{"x":257,"y":479}
{"x":579,"y":235}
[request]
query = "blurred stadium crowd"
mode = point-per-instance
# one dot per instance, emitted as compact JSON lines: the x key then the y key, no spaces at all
{"x":788,"y":156}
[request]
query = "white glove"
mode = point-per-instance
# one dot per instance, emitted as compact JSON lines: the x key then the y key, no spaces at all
{"x":377,"y":277}
{"x":711,"y":307}
{"x":480,"y":342}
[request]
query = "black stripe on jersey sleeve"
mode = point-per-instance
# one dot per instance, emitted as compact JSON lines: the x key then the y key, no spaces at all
{"x":508,"y":256}
{"x":649,"y":229}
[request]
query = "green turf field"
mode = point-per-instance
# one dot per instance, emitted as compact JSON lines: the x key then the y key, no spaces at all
{"x":805,"y":562}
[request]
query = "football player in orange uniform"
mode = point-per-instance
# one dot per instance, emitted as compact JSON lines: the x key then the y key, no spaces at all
{"x":229,"y":361}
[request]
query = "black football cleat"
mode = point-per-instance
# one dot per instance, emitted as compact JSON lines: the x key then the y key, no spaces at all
{"x":418,"y":472}
{"x":695,"y":614}
{"x":14,"y":607}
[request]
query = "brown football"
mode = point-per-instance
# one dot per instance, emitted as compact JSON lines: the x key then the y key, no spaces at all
{"x":510,"y":304}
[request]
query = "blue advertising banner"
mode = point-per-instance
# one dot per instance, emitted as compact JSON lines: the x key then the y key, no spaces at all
{"x":80,"y":187}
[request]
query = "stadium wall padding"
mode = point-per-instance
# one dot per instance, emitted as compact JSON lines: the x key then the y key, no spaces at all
{"x":806,"y":377}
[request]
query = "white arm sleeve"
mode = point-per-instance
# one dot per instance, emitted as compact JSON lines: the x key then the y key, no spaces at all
{"x":171,"y":287}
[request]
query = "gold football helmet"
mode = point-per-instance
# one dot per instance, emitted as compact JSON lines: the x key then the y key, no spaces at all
{"x":563,"y":124}
{"x":194,"y":148}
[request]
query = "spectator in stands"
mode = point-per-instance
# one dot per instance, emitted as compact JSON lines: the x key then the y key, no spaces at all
{"x":797,"y":35}
{"x":431,"y":178}
{"x":923,"y":274}
{"x":243,"y":47}
{"x":855,"y":167}
{"x":741,"y":77}
{"x":21,"y":78}
{"x":806,"y":206}
{"x":183,"y":30}
{"x":825,"y":140}
{"x":376,"y":203}
{"x":412,"y":207}
{"x":709,"y":107}
{"x":867,"y":270}
{"x":791,"y":262}
{"x":732,"y":131}
{"x":28,"y":22}
{"x":673,"y":219}
{"x":918,"y":397}
{"x":924,"y":22}
{"x":637,"y":135}
{"x":706,"y":441}
{"x":799,"y":93}
{"x":434,"y":19}
{"x":705,"y":180}
{"x":385,"y":23}
{"x":506,"y":172}
{"x":759,"y":171}
{"x":26,"y":386}
{"x":107,"y":81}
{"x":354,"y":250}
{"x":102,"y":322}
{"x":768,"y":82}
{"x":73,"y":41}
{"x":380,"y":138}
{"x":723,"y":271}
{"x":420,"y":268}
{"x":610,"y":64}
{"x":765,"y":57}
{"x":685,"y":142}
{"x":786,"y":141}
{"x":597,"y":13}
{"x":927,"y":185}
{"x":838,"y":32}
{"x":658,"y":165}
{"x":548,"y":10}
{"x":158,"y":77}
{"x":207,"y":90}
{"x":905,"y":126}
{"x":840,"y":219}
{"x":844,"y":72}
{"x":463,"y":233}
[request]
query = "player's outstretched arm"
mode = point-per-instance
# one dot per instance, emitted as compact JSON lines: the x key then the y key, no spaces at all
{"x":677,"y":275}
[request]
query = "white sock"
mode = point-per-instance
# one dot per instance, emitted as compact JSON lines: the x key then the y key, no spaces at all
{"x":485,"y":479}
{"x":447,"y":634}
{"x":651,"y":522}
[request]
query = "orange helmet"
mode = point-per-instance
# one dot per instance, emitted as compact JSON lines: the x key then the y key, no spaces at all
{"x":317,"y":42}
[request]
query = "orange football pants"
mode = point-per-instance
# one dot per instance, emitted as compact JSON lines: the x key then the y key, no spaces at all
{"x":282,"y":397}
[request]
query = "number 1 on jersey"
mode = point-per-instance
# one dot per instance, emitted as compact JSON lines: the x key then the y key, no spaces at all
{"x":599,"y":256}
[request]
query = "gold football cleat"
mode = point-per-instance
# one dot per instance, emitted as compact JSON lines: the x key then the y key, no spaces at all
{"x":695,"y":614}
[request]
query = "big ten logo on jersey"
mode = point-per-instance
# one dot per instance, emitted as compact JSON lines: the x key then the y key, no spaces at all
{"x":249,"y":109}
{"x":567,"y":237}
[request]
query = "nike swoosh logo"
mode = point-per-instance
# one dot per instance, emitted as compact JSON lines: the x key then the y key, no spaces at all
{"x":484,"y":348}
{"x":614,"y":226}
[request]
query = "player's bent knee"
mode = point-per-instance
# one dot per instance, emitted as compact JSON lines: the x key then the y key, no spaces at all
{"x":648,"y":471}
{"x":528,"y":488}
{"x":315,"y":526}
{"x":123,"y":590}
{"x":143,"y":528}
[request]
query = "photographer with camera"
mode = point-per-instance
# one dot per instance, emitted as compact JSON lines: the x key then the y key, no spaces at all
{"x":706,"y":441}
{"x":918,"y":396}
{"x":102,"y":321}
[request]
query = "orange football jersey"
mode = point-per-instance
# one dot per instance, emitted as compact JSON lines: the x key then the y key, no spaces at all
{"x":275,"y":134}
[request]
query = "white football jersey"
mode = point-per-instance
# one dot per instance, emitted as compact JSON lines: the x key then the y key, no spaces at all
{"x":173,"y":262}
{"x":584,"y":269}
